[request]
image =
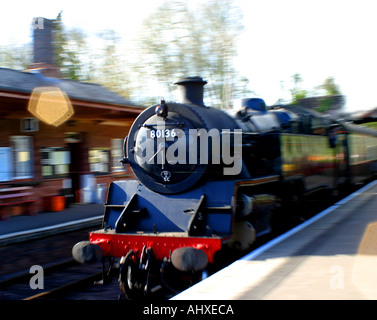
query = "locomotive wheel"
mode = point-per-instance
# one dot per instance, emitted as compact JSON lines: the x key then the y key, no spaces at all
{"x":125,"y":274}
{"x":134,"y":276}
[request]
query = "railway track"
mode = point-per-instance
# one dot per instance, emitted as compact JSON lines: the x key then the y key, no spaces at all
{"x":63,"y":278}
{"x":52,"y":257}
{"x":54,"y":280}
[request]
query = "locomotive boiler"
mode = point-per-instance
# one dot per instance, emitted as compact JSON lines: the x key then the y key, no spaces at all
{"x":208,"y":181}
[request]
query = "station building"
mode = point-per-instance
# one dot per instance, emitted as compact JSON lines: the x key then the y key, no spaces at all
{"x":76,"y":159}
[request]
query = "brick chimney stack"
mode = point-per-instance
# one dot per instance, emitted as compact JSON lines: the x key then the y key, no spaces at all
{"x":43,"y":51}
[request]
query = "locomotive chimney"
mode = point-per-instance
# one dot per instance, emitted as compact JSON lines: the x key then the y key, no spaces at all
{"x":191,"y":90}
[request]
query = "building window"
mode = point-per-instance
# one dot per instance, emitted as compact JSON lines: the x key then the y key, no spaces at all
{"x":23,"y":156}
{"x":99,"y":160}
{"x":6,"y":164}
{"x":55,"y":162}
{"x":117,"y":155}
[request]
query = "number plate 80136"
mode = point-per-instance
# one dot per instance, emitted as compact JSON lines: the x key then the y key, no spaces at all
{"x":161,"y":133}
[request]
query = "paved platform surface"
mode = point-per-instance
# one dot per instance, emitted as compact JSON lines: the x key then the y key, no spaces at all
{"x":333,"y":256}
{"x":19,"y":228}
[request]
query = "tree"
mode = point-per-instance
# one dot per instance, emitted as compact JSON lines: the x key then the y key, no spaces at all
{"x":70,"y":48}
{"x":178,"y":40}
{"x":59,"y":41}
{"x":112,"y":70}
{"x":329,"y":87}
{"x":15,"y":56}
{"x":322,"y":98}
{"x":297,"y":92}
{"x":162,"y":37}
{"x":331,"y":96}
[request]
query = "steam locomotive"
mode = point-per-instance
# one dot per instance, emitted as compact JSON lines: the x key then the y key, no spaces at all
{"x":208,"y":181}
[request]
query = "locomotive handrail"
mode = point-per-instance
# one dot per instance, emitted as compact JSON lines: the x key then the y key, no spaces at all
{"x":218,"y":208}
{"x":115,"y":205}
{"x":166,"y":124}
{"x":242,"y":132}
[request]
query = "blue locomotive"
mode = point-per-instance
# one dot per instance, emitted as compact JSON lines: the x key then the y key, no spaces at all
{"x":208,"y":181}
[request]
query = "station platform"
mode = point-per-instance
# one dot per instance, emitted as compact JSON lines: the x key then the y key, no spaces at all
{"x":21,"y":228}
{"x":332,"y":256}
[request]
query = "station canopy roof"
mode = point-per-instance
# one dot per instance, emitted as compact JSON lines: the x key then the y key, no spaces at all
{"x":16,"y":87}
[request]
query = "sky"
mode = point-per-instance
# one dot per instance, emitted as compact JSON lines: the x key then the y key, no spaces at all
{"x":315,"y":38}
